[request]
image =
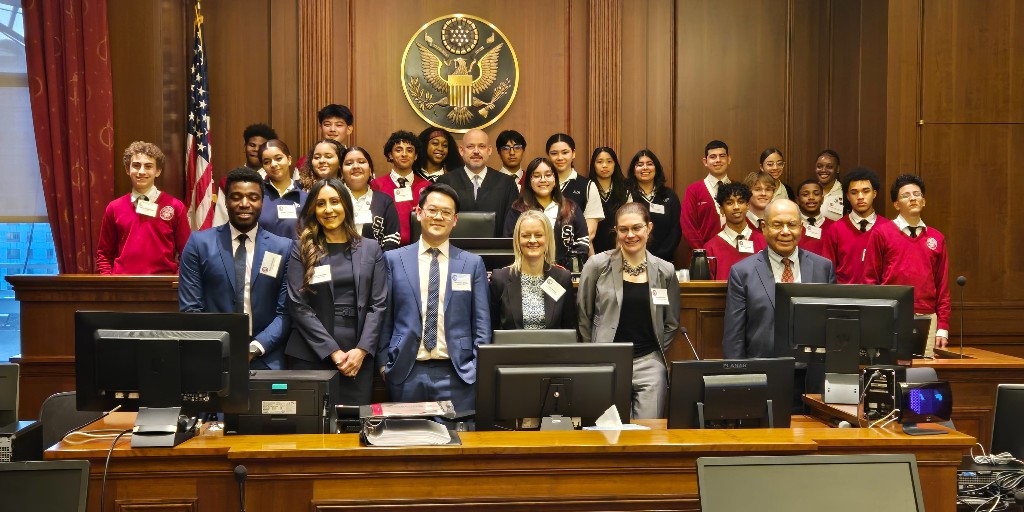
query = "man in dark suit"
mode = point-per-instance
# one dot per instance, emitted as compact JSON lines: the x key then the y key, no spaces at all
{"x":439,"y":312}
{"x":240,"y":268}
{"x":750,"y":300}
{"x":480,"y":188}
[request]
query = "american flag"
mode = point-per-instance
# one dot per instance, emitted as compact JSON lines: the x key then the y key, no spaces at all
{"x":199,"y":171}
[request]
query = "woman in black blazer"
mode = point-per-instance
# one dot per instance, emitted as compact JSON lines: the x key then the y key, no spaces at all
{"x":375,"y":214}
{"x":337,"y":293}
{"x":533,"y":292}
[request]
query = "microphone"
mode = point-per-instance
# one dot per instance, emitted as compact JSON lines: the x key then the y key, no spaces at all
{"x":240,"y":475}
{"x":961,"y":282}
{"x":687,"y":336}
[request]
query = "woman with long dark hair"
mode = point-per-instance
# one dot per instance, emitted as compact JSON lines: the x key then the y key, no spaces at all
{"x":337,"y":293}
{"x":541,"y":192}
{"x":323,"y":162}
{"x":611,"y":185}
{"x":646,"y":183}
{"x":375,"y":213}
{"x":282,"y":196}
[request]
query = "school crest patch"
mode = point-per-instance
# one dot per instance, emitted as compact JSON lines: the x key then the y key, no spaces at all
{"x":932,"y":243}
{"x":167,"y":213}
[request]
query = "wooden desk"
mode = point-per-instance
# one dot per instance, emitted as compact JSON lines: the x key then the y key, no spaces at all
{"x":579,"y":470}
{"x":48,"y":305}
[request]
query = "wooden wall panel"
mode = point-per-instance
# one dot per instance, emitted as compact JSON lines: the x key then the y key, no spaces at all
{"x":730,"y":82}
{"x":810,"y":54}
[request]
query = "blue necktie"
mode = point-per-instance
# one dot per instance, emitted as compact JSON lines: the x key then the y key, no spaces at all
{"x":240,"y":257}
{"x":433,"y":297}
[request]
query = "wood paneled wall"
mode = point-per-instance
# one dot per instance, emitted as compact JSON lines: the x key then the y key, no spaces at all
{"x":926,"y":86}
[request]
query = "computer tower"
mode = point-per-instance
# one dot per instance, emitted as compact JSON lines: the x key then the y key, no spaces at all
{"x":21,"y":441}
{"x":288,"y":402}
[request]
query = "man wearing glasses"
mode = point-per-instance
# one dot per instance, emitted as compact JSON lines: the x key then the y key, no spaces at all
{"x":906,"y":252}
{"x":750,"y":299}
{"x":511,"y":146}
{"x":439,"y":311}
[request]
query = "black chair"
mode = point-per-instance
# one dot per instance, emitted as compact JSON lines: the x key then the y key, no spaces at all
{"x":59,"y":415}
{"x":470,"y":225}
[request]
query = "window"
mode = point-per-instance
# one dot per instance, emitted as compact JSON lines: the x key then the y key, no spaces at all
{"x":24,"y":231}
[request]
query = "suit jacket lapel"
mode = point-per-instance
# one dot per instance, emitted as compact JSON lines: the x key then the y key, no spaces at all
{"x":259,"y":248}
{"x":616,"y":274}
{"x":654,"y":279}
{"x":227,"y":258}
{"x":410,"y":261}
{"x":807,"y":274}
{"x":455,"y":266}
{"x":515,"y":297}
{"x":764,"y":273}
{"x":357,"y":265}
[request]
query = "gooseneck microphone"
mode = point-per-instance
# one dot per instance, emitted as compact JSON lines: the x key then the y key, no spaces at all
{"x":240,"y":475}
{"x":961,"y":282}
{"x":687,"y":336}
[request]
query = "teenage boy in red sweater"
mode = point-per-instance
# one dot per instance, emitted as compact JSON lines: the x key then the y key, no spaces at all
{"x":809,"y":196}
{"x":699,"y":216}
{"x":906,"y":252}
{"x":737,"y":240}
{"x":846,"y":241}
{"x":145,"y":231}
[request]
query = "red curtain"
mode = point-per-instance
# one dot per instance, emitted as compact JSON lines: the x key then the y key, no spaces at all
{"x":69,"y":78}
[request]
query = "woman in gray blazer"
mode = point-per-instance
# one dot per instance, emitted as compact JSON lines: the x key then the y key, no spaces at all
{"x":630,"y":283}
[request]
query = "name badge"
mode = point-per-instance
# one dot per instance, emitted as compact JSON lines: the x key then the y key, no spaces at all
{"x":271,"y":262}
{"x":462,"y":283}
{"x":403,"y":194}
{"x":364,"y":218}
{"x":321,"y":274}
{"x":659,"y":296}
{"x":552,"y":288}
{"x":658,"y":208}
{"x":286,"y":211}
{"x":147,"y":208}
{"x":746,"y":246}
{"x":813,"y":231}
{"x":836,"y":207}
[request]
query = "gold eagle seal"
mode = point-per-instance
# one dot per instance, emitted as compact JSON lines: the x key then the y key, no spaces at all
{"x":466,"y":82}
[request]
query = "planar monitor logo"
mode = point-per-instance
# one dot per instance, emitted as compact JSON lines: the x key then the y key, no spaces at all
{"x":459,"y":72}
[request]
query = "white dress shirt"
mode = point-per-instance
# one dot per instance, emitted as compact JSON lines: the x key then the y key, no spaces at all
{"x":250,"y":252}
{"x":441,"y":350}
{"x":711,"y":183}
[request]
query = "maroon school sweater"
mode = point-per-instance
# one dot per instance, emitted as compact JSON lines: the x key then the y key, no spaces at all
{"x":727,"y":255}
{"x":845,"y":245}
{"x":133,"y":243}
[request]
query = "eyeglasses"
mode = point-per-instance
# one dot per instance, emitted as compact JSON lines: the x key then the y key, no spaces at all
{"x":635,"y":229}
{"x":510,"y":147}
{"x":432,"y":212}
{"x":908,"y":195}
{"x":774,"y":165}
{"x":779,"y":226}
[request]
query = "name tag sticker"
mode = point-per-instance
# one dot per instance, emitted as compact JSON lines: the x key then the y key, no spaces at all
{"x":403,"y":194}
{"x":462,"y":283}
{"x":147,"y":208}
{"x":552,"y":288}
{"x":813,"y":231}
{"x":270,"y":265}
{"x":364,"y":218}
{"x":658,"y":208}
{"x":659,"y":296}
{"x":286,"y":211}
{"x":836,"y":207}
{"x":746,"y":246}
{"x":321,"y":274}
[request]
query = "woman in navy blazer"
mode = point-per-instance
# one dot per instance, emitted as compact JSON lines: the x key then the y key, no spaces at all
{"x":337,"y":293}
{"x":533,"y":244}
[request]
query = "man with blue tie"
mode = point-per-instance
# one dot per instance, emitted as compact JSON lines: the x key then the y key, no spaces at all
{"x":439,"y":312}
{"x":217,"y":272}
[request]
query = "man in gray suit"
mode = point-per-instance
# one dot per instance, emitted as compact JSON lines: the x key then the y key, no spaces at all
{"x":750,"y":300}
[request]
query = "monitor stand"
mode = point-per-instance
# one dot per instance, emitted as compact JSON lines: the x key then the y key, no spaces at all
{"x":556,"y":422}
{"x":842,"y":388}
{"x":159,"y":427}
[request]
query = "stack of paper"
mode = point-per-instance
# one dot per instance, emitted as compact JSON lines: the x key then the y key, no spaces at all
{"x":405,"y":432}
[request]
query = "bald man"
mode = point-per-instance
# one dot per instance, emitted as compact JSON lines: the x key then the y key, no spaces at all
{"x":750,"y":300}
{"x":481,"y":188}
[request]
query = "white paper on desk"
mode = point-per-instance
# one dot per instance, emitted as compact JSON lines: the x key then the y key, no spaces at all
{"x":407,"y":432}
{"x":610,"y":421}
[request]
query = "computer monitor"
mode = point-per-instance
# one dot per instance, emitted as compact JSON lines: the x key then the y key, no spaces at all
{"x":53,"y":486}
{"x":1008,"y":420}
{"x":731,"y":393}
{"x":518,"y":384}
{"x":883,"y":483}
{"x":534,"y":337}
{"x":8,"y":393}
{"x":195,"y":361}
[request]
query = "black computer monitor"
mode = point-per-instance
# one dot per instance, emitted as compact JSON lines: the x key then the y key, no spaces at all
{"x":1008,"y":420}
{"x":731,"y":393}
{"x":195,"y":361}
{"x":53,"y":486}
{"x":884,"y":483}
{"x":844,"y":325}
{"x":518,"y":384}
{"x":8,"y":393}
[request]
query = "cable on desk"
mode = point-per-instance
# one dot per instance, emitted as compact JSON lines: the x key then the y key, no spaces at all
{"x":106,"y":465}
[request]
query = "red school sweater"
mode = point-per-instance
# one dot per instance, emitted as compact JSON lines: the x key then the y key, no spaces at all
{"x":699,"y":216}
{"x":133,"y":243}
{"x":845,"y":245}
{"x":816,"y":245}
{"x":728,"y":255}
{"x":895,"y":258}
{"x":386,"y":185}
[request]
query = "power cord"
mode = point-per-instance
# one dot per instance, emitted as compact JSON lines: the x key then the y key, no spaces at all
{"x":106,"y":466}
{"x":80,"y":427}
{"x":895,"y":415}
{"x":993,"y":458}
